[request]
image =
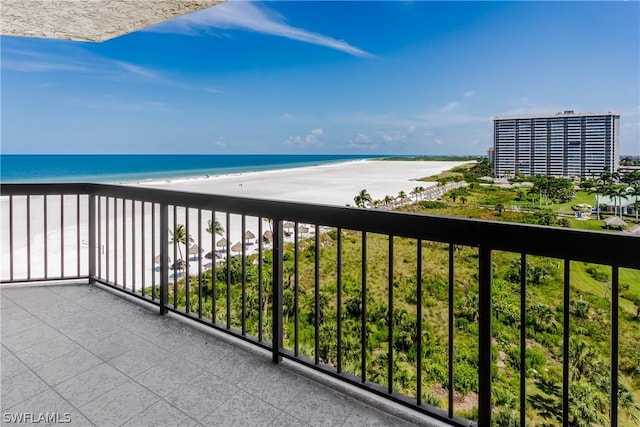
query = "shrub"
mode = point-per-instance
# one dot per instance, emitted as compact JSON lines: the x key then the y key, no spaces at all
{"x":431,"y":204}
{"x":506,"y":418}
{"x":580,"y":308}
{"x":503,"y":397}
{"x":465,"y":378}
{"x":431,"y":399}
{"x":534,"y":359}
{"x":597,"y":273}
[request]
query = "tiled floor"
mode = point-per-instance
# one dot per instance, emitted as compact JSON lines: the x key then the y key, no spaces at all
{"x":81,"y":353}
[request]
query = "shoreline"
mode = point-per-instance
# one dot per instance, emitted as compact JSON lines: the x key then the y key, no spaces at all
{"x":332,"y":184}
{"x":329,"y":184}
{"x":119,"y":169}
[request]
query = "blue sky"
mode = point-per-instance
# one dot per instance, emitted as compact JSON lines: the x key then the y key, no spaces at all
{"x":365,"y":77}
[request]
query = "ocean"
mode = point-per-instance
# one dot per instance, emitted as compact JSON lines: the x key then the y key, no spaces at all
{"x":117,"y":168}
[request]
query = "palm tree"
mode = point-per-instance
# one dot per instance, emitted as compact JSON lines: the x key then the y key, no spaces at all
{"x":627,"y":402}
{"x":388,"y":200}
{"x":618,"y":193}
{"x":634,"y":191}
{"x":585,"y":362}
{"x":219,"y":229}
{"x":586,"y":405}
{"x":602,"y":187}
{"x":362,"y":198}
{"x":402,"y":196}
{"x":180,"y":236}
{"x":416,"y":191}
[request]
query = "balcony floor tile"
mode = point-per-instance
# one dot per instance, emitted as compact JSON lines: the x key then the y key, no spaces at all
{"x":67,"y":366}
{"x":161,"y":414}
{"x":47,"y":351}
{"x":240,"y":410}
{"x":50,"y":402}
{"x":20,"y":387}
{"x":84,"y":351}
{"x":91,"y":384}
{"x":202,"y":395}
{"x":11,"y":366}
{"x":119,"y":405}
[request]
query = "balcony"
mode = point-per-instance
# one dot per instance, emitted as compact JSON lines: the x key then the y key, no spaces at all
{"x":246,"y":335}
{"x":79,"y":353}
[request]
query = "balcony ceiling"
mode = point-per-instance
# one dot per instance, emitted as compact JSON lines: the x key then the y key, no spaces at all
{"x":90,"y":20}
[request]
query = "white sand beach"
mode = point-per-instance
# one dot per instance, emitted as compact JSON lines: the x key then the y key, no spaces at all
{"x":332,"y":184}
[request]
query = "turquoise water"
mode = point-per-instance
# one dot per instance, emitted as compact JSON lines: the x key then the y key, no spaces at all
{"x":136,"y":167}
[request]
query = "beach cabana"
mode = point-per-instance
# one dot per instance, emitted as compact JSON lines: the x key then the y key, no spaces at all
{"x":237,"y":247}
{"x":248,"y":235}
{"x":178,"y":265}
{"x":615,"y":221}
{"x":222,"y":243}
{"x":210,"y":255}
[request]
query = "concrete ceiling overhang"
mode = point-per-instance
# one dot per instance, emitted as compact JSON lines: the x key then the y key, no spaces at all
{"x":90,"y":20}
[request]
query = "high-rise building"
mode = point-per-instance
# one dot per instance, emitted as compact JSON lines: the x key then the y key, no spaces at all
{"x":566,"y":144}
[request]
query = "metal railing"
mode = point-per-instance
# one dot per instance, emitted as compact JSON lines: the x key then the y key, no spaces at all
{"x":129,"y":238}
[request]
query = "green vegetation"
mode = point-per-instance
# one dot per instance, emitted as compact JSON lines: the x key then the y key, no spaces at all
{"x":433,"y":158}
{"x":469,"y":172}
{"x":396,"y":327}
{"x":590,"y":315}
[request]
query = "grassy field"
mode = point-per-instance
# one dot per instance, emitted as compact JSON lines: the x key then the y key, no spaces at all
{"x":453,"y":173}
{"x":589,"y":316}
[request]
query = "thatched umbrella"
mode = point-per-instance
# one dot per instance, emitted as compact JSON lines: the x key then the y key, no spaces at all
{"x":615,"y":221}
{"x":195,"y":249}
{"x":210,"y":255}
{"x":267,"y":237}
{"x":178,"y":265}
{"x":222,"y":243}
{"x":158,"y":258}
{"x":237,"y":247}
{"x":248,"y":235}
{"x":288,"y":224}
{"x":302,"y":229}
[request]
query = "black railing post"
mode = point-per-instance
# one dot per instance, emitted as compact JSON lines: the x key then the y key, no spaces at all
{"x":615,"y":308}
{"x":164,"y":257}
{"x":484,"y":337}
{"x":92,"y":246}
{"x":566,"y":329}
{"x":276,"y":309}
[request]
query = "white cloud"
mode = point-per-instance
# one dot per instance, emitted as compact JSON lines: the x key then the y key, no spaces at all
{"x":361,"y":140}
{"x":250,"y":16}
{"x":469,"y":93}
{"x":109,"y":102}
{"x":312,"y":139}
{"x":411,"y":129}
{"x":135,"y":69}
{"x":394,"y":137}
{"x":450,"y":106}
